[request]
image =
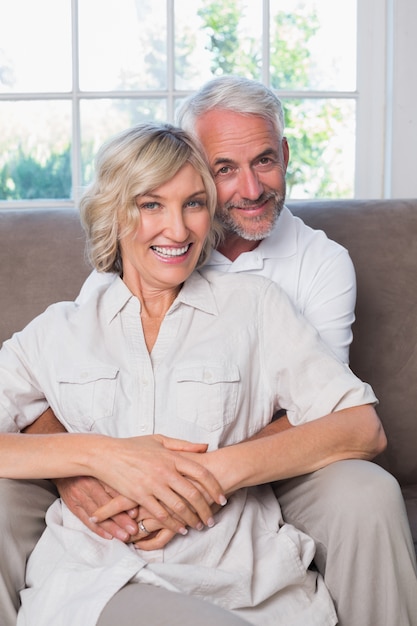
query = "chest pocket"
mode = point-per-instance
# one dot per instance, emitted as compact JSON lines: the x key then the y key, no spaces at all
{"x":207,"y":394}
{"x":87,"y":395}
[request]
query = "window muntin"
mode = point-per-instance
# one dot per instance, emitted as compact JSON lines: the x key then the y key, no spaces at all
{"x":117,"y":63}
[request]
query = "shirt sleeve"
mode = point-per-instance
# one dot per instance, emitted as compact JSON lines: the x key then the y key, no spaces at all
{"x":303,"y":373}
{"x":22,"y":359}
{"x":331,"y":301}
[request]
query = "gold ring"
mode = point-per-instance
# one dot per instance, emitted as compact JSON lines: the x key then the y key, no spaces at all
{"x":142,"y":527}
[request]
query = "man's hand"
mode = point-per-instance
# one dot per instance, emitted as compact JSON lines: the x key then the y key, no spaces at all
{"x":84,"y":494}
{"x":152,"y":535}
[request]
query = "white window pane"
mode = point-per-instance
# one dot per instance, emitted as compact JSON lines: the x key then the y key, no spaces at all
{"x":35,"y":150}
{"x":321,"y":137}
{"x":35,"y":45}
{"x":313,"y":44}
{"x":101,"y":119}
{"x":122,"y":44}
{"x":214,"y":37}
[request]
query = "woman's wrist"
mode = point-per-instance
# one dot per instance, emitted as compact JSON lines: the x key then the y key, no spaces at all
{"x":94,"y":451}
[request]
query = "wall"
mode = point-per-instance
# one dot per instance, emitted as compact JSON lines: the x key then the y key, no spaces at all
{"x":387,"y":94}
{"x":403,"y":164}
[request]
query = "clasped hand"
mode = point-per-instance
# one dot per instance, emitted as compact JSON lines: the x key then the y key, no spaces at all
{"x":152,"y":472}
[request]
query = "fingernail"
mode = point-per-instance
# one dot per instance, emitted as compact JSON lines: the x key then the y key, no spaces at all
{"x":94,"y":520}
{"x":130,"y":529}
{"x":200,"y":526}
{"x":210,"y":522}
{"x":122,"y":535}
{"x":222,"y":500}
{"x":183,"y":531}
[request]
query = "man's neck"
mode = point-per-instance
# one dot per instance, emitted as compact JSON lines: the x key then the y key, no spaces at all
{"x":233,"y":246}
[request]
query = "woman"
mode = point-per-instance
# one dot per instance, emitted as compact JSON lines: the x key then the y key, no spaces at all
{"x":195,"y":356}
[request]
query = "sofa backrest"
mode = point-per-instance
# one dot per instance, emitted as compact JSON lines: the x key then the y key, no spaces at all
{"x":381,"y":237}
{"x":42,"y":261}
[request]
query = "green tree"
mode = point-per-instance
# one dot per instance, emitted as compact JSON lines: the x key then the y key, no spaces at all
{"x":221,"y":22}
{"x":26,"y":178}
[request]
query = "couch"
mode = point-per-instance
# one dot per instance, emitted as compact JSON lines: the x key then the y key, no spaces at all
{"x":42,"y":260}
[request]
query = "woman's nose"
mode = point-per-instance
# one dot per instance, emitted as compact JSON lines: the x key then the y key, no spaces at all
{"x":176,"y":227}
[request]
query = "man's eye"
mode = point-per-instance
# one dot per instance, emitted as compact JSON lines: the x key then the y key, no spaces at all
{"x":226,"y":169}
{"x":267,"y":162}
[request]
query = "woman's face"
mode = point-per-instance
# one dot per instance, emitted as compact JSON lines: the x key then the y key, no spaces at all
{"x":174,"y":222}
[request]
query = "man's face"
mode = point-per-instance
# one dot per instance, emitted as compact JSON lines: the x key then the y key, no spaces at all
{"x":248,"y":162}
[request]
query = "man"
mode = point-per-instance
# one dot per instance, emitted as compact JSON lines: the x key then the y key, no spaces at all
{"x":352,"y":508}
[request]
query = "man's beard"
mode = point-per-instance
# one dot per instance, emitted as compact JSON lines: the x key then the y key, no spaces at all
{"x":227,"y":221}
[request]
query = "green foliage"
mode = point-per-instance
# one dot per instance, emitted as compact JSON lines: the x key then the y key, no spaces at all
{"x":24,"y":177}
{"x":289,"y":54}
{"x":221,"y":19}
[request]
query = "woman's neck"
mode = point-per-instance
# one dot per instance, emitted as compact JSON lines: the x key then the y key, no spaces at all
{"x":156,"y":305}
{"x":152,"y":312}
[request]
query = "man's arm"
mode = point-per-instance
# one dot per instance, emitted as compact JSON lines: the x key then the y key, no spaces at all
{"x":46,"y":424}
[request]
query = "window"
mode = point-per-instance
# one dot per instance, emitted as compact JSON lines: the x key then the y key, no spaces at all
{"x":74,"y":72}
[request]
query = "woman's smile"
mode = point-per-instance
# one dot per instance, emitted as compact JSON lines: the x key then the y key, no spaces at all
{"x":170,"y":253}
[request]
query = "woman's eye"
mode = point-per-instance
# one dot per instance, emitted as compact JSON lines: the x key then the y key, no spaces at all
{"x":149,"y":205}
{"x":196,"y":204}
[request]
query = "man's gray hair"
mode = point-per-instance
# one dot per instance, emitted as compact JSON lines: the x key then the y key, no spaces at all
{"x":233,"y":93}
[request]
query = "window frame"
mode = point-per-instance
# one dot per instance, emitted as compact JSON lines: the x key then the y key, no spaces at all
{"x":375,"y":20}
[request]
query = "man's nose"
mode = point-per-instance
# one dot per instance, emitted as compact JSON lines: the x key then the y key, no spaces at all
{"x":249,"y":184}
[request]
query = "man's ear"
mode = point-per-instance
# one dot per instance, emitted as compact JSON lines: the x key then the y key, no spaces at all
{"x":285,"y":151}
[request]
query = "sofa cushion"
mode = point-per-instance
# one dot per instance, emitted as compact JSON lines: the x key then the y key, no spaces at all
{"x":381,"y":237}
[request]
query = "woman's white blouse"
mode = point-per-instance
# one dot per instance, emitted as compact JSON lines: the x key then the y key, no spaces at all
{"x":230,"y":352}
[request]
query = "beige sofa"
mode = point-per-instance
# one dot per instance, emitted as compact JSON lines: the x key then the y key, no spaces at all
{"x":42,"y":261}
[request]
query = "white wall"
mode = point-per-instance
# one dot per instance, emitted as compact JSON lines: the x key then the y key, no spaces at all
{"x":403,"y":163}
{"x":386,"y":145}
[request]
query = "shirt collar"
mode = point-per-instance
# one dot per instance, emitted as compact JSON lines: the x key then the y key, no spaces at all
{"x":196,"y":292}
{"x":115,"y":297}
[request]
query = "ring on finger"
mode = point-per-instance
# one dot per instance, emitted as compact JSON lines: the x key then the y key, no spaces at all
{"x":142,"y":527}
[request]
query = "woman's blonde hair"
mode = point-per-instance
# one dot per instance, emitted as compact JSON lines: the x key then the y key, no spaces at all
{"x":133,"y":163}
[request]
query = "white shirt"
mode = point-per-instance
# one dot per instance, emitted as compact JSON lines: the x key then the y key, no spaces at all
{"x":230,"y":352}
{"x":317,"y":274}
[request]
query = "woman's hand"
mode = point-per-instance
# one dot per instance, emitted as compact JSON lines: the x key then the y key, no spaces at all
{"x":151,"y":471}
{"x":151,"y":534}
